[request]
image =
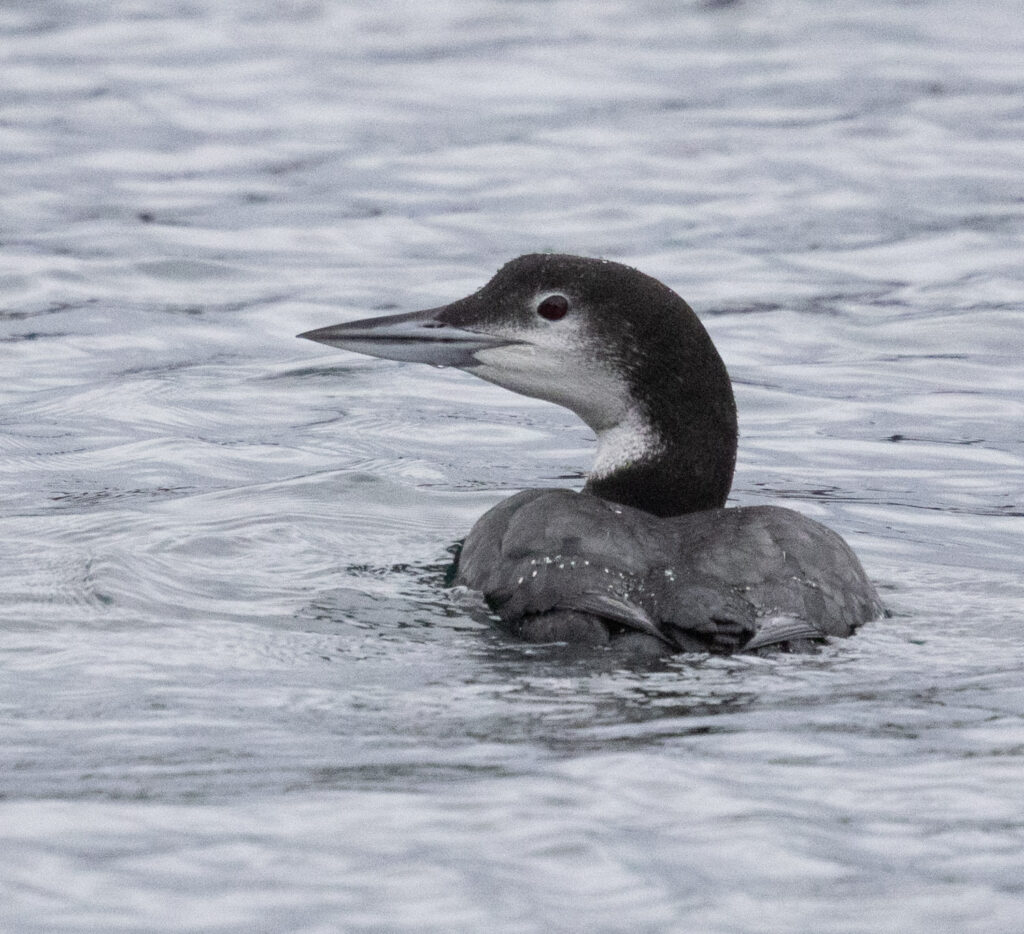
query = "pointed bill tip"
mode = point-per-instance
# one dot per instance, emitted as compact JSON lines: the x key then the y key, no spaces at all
{"x":317,"y":334}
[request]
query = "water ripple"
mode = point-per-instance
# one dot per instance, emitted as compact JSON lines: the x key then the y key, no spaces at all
{"x":236,"y":693}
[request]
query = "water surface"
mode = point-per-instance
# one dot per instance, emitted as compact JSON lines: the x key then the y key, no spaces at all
{"x":236,"y":695}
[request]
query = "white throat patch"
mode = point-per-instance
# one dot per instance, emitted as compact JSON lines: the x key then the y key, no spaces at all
{"x":630,"y":441}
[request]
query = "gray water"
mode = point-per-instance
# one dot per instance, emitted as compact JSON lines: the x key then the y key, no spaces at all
{"x":236,"y":695}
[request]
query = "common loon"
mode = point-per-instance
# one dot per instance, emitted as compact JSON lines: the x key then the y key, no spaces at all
{"x":646,"y":554}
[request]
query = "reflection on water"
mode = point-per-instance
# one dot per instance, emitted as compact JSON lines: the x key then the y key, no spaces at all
{"x":236,"y":691}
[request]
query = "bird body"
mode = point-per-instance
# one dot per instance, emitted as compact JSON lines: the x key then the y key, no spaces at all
{"x":709,"y":580}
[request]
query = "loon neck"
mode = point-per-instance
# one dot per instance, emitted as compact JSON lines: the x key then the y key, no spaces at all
{"x":676,"y":460}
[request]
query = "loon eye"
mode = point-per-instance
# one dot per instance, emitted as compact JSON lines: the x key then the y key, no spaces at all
{"x":553,"y":307}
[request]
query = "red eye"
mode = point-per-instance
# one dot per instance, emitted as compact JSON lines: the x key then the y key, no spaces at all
{"x":553,"y":307}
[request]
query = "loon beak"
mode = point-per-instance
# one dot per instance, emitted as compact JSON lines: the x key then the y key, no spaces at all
{"x":419,"y":337}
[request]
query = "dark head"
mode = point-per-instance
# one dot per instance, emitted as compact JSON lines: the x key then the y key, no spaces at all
{"x":615,"y":346}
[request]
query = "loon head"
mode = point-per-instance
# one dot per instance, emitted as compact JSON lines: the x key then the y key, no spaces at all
{"x":615,"y":346}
